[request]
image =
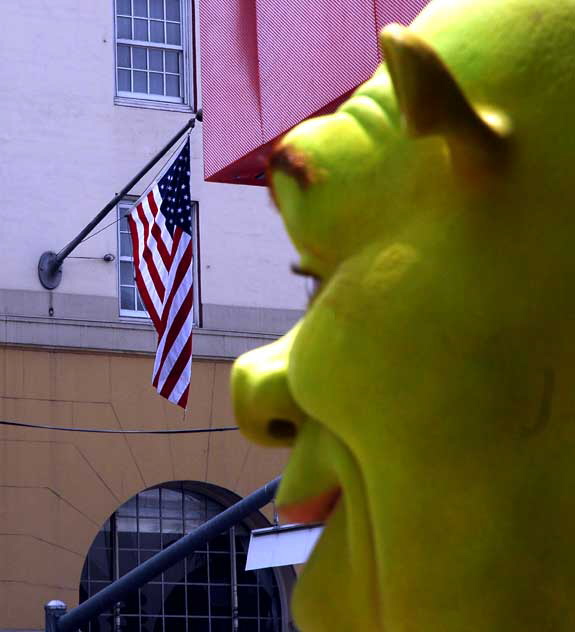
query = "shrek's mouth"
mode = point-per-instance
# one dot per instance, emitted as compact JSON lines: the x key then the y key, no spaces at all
{"x":312,"y":510}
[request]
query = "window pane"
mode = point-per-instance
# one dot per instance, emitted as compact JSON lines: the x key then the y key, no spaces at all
{"x":127,"y":560}
{"x":131,"y":605}
{"x":124,"y":224}
{"x":125,"y":245}
{"x":173,"y":85}
{"x":244,"y":577}
{"x":149,"y":525}
{"x":140,"y":81}
{"x":141,"y":8}
{"x":174,"y":601}
{"x":157,"y":31}
{"x":156,"y":59}
{"x":128,"y":508}
{"x":140,"y":58}
{"x":248,"y":625}
{"x":124,"y":80}
{"x":141,"y":30}
{"x":127,"y":528}
{"x":247,"y":601}
{"x":266,"y":603}
{"x":124,"y":7}
{"x":105,"y":624}
{"x":123,"y":56}
{"x":173,"y":35}
{"x":176,"y":624}
{"x":156,"y":83}
{"x":220,"y":542}
{"x":220,"y":572}
{"x":151,"y":596}
{"x":149,"y":502}
{"x":172,"y":505}
{"x":172,"y":60}
{"x":141,"y":307}
{"x":151,"y":540}
{"x":103,"y":539}
{"x":100,"y":564}
{"x":127,"y":298}
{"x":198,"y":601}
{"x":221,"y":600}
{"x":152,"y":624}
{"x":125,"y":28}
{"x":157,"y":9}
{"x":198,"y":625}
{"x":126,"y":278}
{"x":197,"y":566}
{"x":173,"y":10}
{"x":221,"y":625}
{"x":176,"y":574}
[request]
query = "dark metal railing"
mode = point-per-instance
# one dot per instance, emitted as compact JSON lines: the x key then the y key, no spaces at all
{"x":58,"y":620}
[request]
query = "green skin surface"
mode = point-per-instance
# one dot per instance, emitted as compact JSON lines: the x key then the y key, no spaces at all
{"x":432,"y":378}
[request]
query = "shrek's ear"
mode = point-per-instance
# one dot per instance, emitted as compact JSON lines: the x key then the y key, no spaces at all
{"x":432,"y":103}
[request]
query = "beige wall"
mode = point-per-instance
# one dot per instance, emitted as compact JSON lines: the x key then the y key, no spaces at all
{"x":56,"y":489}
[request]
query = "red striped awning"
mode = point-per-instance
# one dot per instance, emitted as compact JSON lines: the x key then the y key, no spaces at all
{"x":268,"y":64}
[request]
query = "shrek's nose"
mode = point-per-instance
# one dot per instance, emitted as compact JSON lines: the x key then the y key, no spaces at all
{"x":264,"y":407}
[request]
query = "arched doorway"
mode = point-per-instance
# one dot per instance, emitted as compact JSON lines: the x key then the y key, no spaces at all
{"x":199,"y":593}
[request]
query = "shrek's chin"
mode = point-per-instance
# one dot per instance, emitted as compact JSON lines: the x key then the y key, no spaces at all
{"x":338,"y":588}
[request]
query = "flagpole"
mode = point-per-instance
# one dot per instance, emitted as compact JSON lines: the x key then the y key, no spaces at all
{"x":50,"y":263}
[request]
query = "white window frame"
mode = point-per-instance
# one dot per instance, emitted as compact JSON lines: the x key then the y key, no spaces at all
{"x":140,"y":315}
{"x":187,"y":83}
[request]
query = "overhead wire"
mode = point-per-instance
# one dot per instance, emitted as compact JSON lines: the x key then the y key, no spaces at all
{"x":21,"y":424}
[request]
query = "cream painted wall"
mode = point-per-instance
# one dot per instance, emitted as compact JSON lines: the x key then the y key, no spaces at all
{"x":66,"y":149}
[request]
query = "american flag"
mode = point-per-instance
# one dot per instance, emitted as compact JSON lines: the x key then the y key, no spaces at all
{"x":161,"y":228}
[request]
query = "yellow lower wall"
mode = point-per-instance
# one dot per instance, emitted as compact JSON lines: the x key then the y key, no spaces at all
{"x":57,"y":489}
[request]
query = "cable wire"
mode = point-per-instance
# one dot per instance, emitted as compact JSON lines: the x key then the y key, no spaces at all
{"x":21,"y":424}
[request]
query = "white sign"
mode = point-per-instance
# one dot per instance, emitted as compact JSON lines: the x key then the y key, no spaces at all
{"x":280,"y":546}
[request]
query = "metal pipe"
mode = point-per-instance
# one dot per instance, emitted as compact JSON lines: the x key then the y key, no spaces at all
{"x":144,"y":573}
{"x":234,"y":586}
{"x":49,"y":266}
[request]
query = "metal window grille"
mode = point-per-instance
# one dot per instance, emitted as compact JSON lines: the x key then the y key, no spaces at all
{"x":151,"y":50}
{"x":197,"y":594}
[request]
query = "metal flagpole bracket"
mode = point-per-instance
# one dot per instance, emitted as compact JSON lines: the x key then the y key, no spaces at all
{"x":49,"y":271}
{"x":50,"y":264}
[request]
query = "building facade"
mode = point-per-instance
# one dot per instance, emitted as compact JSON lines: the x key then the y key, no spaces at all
{"x":91,"y":91}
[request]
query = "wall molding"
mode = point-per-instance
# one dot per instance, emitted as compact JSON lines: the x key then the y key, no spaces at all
{"x":92,"y":323}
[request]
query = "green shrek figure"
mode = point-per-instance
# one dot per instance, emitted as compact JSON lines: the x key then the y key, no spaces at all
{"x":428,"y":394}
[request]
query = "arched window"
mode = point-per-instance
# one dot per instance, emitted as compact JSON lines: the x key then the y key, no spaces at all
{"x":199,"y":594}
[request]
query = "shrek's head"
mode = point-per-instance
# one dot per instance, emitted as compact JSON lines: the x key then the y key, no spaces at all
{"x":426,"y":389}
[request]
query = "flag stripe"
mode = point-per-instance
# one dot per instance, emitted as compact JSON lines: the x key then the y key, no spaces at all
{"x":173,"y":339}
{"x":141,"y":285}
{"x":155,"y":265}
{"x":176,"y":312}
{"x":177,"y":369}
{"x":165,"y":236}
{"x":161,"y":238}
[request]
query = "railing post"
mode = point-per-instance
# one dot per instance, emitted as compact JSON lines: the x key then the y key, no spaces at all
{"x":53,"y":611}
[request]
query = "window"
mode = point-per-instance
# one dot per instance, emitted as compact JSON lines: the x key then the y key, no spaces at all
{"x":197,"y":593}
{"x":130,"y":302}
{"x":152,"y":53}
